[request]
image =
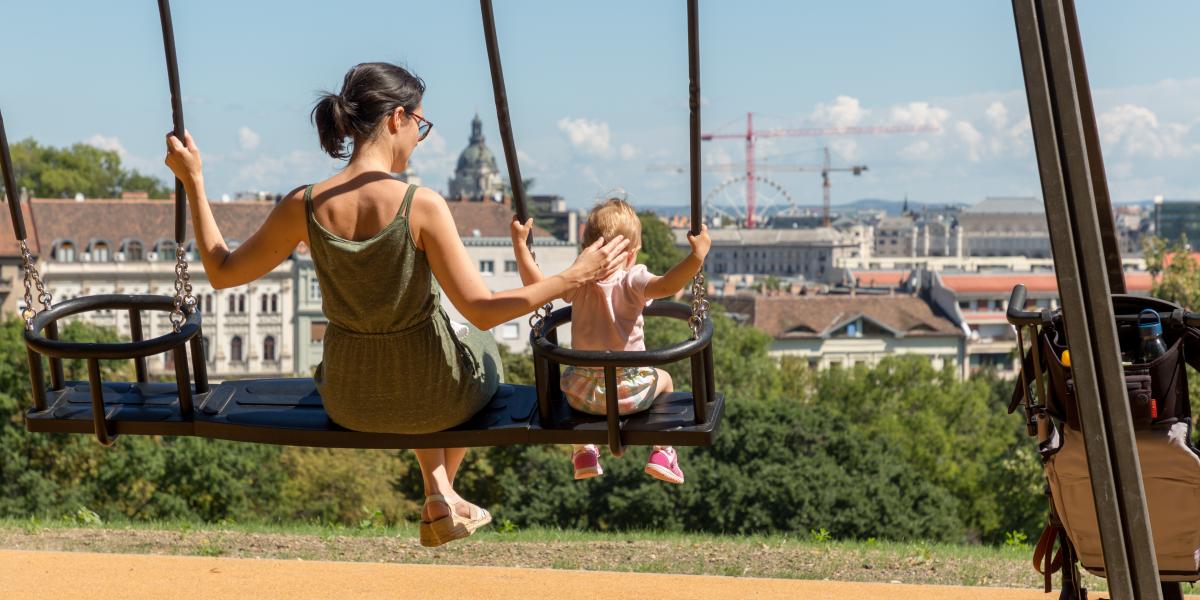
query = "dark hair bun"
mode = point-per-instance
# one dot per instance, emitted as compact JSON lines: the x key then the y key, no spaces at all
{"x":370,"y":91}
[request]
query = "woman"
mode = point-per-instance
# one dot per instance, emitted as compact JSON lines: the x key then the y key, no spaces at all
{"x":392,"y":360}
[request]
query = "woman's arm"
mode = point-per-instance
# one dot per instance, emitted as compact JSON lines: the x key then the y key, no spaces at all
{"x":270,"y":245}
{"x":433,"y":230}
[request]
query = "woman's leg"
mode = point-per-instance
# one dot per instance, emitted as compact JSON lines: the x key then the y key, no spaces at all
{"x":439,"y":466}
{"x":454,"y":458}
{"x":435,"y":475}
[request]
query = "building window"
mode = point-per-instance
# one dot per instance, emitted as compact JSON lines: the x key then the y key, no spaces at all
{"x":317,"y":331}
{"x":269,"y":348}
{"x":314,"y":289}
{"x":208,"y":303}
{"x":133,"y":250}
{"x":274,"y":304}
{"x":100,"y":252}
{"x":487,"y":267}
{"x":242,"y":303}
{"x":263,"y":304}
{"x":510,"y":266}
{"x":65,"y":252}
{"x":166,"y":251}
{"x":235,"y":349}
{"x":510,"y":331}
{"x":232,"y":303}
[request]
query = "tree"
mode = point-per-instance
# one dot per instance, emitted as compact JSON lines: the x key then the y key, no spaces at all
{"x":1176,"y":273}
{"x":51,"y":172}
{"x":659,"y":252}
{"x":1176,"y":279}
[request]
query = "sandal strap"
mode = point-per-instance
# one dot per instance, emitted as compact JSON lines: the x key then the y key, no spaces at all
{"x":477,"y":512}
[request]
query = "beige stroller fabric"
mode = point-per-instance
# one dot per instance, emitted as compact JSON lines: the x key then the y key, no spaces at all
{"x":1171,"y":476}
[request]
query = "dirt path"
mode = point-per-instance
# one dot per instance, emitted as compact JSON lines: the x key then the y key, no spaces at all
{"x":81,"y":575}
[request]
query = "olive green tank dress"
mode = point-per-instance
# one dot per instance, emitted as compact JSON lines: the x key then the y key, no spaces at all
{"x":392,"y":363}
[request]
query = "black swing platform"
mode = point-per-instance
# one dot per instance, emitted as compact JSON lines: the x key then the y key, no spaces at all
{"x":289,"y":411}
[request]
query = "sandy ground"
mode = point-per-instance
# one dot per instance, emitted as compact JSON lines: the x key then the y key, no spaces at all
{"x":82,"y":575}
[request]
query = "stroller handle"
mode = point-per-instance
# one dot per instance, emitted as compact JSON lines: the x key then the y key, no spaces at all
{"x":1018,"y":317}
{"x":1016,"y":313}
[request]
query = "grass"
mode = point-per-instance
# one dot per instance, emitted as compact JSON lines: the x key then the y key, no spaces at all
{"x":806,"y":556}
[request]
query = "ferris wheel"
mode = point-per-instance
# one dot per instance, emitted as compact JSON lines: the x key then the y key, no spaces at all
{"x":726,"y":203}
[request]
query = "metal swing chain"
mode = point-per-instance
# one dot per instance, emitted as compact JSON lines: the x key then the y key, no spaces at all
{"x":32,"y":279}
{"x":537,"y":320}
{"x":185,"y":302}
{"x":699,"y":303}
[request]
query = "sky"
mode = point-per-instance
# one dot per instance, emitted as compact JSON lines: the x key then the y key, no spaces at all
{"x":598,"y":91}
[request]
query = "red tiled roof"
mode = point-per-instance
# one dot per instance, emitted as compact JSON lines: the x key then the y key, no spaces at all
{"x":1044,"y":283}
{"x":490,"y":219}
{"x":148,"y":221}
{"x":810,"y":316}
{"x":8,"y":237}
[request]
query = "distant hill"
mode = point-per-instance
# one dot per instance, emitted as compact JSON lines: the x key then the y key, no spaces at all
{"x":893,"y":207}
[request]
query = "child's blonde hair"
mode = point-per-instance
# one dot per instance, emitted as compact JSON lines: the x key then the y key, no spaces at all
{"x":611,"y":218}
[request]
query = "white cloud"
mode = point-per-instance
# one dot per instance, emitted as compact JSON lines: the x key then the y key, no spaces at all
{"x":845,"y":111}
{"x":276,"y":173}
{"x":921,"y":150}
{"x":434,"y":143}
{"x":627,"y":151}
{"x":247,"y":138}
{"x":588,"y":136}
{"x":972,"y":138}
{"x":997,"y":114}
{"x":845,"y":147}
{"x":107,"y":143}
{"x":1134,"y":130}
{"x":919,"y":114}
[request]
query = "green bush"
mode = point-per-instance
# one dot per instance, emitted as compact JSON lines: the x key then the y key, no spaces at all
{"x":899,"y":451}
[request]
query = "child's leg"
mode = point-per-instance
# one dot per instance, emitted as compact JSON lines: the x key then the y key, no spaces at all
{"x":663,"y":463}
{"x":585,"y":458}
{"x":665,"y":386}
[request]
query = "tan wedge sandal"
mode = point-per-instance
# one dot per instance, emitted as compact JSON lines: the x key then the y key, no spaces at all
{"x":453,"y":526}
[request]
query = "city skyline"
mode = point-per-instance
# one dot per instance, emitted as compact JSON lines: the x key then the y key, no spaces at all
{"x":598,"y":96}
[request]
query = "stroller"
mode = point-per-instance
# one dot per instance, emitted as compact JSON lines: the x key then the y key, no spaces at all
{"x":1170,"y":463}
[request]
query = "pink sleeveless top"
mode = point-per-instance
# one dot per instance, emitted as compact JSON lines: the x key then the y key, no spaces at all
{"x":607,"y":315}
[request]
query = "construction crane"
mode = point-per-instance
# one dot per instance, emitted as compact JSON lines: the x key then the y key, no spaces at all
{"x":824,"y":168}
{"x":750,"y":135}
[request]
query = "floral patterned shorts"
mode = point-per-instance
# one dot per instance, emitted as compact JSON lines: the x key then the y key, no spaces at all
{"x":584,"y":389}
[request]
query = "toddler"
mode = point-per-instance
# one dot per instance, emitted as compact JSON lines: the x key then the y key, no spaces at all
{"x":607,"y":315}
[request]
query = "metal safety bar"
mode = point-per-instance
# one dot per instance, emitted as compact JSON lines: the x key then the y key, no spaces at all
{"x":548,"y":357}
{"x":136,"y":350}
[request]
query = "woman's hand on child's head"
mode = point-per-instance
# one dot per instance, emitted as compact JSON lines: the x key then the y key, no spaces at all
{"x":602,"y":259}
{"x":520,"y":231}
{"x":700,"y":243}
{"x":183,"y":158}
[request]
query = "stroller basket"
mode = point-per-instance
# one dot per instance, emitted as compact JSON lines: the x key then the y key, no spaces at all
{"x":1158,"y":397}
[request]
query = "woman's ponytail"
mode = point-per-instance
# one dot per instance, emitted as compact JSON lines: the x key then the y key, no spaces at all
{"x":370,"y":92}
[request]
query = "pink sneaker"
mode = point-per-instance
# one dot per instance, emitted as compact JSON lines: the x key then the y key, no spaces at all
{"x":664,"y":465}
{"x":587,"y":462}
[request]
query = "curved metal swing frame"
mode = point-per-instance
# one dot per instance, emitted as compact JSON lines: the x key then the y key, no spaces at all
{"x":288,"y":411}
